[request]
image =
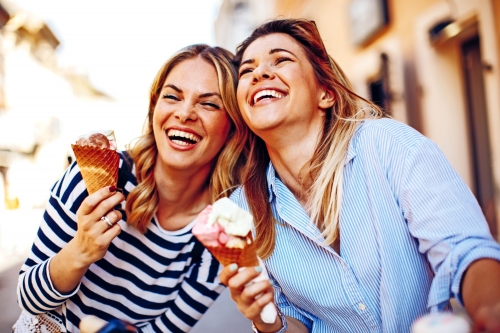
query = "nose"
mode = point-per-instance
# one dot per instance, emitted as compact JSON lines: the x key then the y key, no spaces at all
{"x":262,"y":72}
{"x":186,"y":112}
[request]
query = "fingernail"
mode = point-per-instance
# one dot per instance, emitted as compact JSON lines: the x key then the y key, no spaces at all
{"x":112,"y":189}
{"x":258,"y":269}
{"x":233,"y":267}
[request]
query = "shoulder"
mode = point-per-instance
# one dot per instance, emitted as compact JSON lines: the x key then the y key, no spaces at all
{"x":127,"y":173}
{"x":387,"y":129}
{"x":385,"y":136}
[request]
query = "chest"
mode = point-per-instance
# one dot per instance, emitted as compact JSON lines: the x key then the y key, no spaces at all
{"x":151,"y":264}
{"x":313,"y":275}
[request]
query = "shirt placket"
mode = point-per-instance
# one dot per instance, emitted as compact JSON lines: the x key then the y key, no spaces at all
{"x":350,"y":283}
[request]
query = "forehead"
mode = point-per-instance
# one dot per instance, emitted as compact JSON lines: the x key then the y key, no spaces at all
{"x":196,"y":74}
{"x":263,"y":45}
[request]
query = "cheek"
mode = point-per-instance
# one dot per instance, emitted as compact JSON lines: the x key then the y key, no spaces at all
{"x":241,"y":93}
{"x":218,"y":127}
{"x":224,"y":127}
{"x":242,"y":104}
{"x":155,"y":120}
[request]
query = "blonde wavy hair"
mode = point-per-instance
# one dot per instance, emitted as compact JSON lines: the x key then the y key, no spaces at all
{"x":325,"y":168}
{"x":142,"y":201}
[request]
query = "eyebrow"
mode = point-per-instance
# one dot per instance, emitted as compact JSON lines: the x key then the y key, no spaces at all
{"x":209,"y":94}
{"x":281,"y":50}
{"x":173,"y":87}
{"x":251,"y":61}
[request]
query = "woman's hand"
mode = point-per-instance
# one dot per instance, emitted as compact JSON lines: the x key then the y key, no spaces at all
{"x":94,"y":235}
{"x":481,"y":294}
{"x":487,"y":319}
{"x":91,"y":241}
{"x":250,"y":297}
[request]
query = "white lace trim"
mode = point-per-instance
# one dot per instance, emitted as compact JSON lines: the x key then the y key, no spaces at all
{"x":44,"y":323}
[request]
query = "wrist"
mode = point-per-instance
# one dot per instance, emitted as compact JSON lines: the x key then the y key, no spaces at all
{"x":74,"y":256}
{"x":280,"y":328}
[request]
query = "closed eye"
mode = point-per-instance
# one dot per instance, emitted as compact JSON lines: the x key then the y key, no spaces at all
{"x":169,"y":96}
{"x":282,"y":59}
{"x":245,"y":71}
{"x":213,"y":105}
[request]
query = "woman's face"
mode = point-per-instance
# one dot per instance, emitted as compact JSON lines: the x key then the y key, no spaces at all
{"x":190,"y":124}
{"x":277,"y":86}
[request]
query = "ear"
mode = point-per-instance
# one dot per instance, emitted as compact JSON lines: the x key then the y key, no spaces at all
{"x":326,"y":98}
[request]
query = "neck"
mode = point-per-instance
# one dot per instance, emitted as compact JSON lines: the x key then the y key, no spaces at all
{"x":183,"y":194}
{"x":290,"y":152}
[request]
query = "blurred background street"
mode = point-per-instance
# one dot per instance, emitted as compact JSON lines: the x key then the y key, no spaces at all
{"x":67,"y":68}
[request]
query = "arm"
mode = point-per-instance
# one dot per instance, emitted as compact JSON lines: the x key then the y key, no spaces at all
{"x":91,"y":240}
{"x":42,"y":288}
{"x":445,"y":217}
{"x":483,"y":303}
{"x":198,"y":291}
{"x":251,"y":299}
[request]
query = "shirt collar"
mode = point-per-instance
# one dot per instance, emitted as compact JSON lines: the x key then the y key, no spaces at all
{"x":351,"y":153}
{"x":271,"y":172}
{"x":271,"y":181}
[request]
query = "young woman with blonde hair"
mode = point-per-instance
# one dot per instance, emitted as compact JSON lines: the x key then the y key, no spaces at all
{"x":140,"y":263}
{"x":362,"y":223}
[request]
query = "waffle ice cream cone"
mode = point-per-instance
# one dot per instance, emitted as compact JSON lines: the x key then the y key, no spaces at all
{"x":245,"y":257}
{"x":99,"y":166}
{"x":97,"y":159}
{"x":225,"y":230}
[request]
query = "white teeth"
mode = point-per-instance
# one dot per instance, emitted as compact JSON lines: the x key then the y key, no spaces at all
{"x":267,"y":92}
{"x":182,"y":134}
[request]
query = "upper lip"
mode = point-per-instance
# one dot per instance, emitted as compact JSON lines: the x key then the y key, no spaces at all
{"x":265,"y":88}
{"x":186,"y":130}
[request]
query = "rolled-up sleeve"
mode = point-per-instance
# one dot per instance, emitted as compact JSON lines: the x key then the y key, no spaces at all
{"x":445,"y":217}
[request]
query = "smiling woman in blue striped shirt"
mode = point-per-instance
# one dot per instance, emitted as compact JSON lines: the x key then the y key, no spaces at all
{"x":362,"y":223}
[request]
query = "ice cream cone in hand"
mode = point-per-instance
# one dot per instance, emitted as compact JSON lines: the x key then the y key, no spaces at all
{"x":225,"y":230}
{"x":97,"y":159}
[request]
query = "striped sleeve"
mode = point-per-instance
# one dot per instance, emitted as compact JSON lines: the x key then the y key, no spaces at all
{"x":198,"y":291}
{"x":35,"y":292}
{"x":445,"y":217}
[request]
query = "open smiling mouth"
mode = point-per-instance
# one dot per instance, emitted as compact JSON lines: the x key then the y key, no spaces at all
{"x":182,"y":138}
{"x":267,"y":94}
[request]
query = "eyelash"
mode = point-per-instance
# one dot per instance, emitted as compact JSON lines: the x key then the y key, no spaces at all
{"x":212,"y":105}
{"x":247,"y":70}
{"x":278,"y":61}
{"x":170,"y":97}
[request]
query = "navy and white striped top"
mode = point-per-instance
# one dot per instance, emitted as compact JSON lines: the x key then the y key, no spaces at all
{"x":161,"y":281}
{"x":409,"y":228}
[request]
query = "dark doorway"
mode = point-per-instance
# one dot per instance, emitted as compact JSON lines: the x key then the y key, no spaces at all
{"x":379,"y":86}
{"x":478,"y":127}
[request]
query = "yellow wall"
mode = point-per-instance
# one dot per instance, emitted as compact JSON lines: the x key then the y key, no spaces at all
{"x":496,"y":14}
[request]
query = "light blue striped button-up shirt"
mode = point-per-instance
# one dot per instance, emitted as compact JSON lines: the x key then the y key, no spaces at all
{"x":409,"y":229}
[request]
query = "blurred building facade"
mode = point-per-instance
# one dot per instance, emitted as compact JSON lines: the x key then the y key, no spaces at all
{"x":433,"y":64}
{"x":39,"y":102}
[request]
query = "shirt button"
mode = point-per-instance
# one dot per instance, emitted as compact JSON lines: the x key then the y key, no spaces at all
{"x":361,"y":306}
